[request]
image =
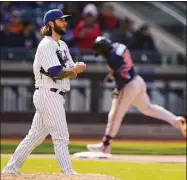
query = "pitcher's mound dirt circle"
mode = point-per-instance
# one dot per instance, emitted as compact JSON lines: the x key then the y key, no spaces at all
{"x":53,"y":176}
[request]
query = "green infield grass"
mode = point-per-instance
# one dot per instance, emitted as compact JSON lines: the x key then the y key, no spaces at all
{"x":121,"y":170}
{"x":118,"y":147}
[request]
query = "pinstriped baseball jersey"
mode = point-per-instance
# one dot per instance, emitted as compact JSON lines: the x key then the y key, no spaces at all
{"x":50,"y":115}
{"x":48,"y":98}
{"x":46,"y":57}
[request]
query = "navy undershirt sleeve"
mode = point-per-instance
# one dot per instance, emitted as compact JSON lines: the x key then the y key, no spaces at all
{"x":54,"y":71}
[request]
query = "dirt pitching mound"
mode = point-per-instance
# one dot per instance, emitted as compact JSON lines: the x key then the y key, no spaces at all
{"x":53,"y":176}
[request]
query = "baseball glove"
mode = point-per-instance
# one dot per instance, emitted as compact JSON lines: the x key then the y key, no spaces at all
{"x":66,"y":74}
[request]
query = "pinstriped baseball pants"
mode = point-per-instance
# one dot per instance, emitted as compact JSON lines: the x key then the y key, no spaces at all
{"x":49,"y":119}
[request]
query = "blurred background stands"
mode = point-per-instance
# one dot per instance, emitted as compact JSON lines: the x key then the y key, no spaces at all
{"x":162,"y":63}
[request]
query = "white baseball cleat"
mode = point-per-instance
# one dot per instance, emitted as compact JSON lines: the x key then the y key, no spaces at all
{"x":99,"y":148}
{"x":181,"y":125}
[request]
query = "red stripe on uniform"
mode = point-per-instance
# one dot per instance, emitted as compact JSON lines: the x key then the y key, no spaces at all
{"x":128,"y":60}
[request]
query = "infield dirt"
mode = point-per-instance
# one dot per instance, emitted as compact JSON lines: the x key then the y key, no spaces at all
{"x":54,"y":176}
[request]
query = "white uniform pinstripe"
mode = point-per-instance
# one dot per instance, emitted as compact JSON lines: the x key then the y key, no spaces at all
{"x":50,"y":114}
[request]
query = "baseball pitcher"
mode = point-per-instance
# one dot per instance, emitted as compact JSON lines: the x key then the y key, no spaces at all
{"x":130,"y":90}
{"x":53,"y":68}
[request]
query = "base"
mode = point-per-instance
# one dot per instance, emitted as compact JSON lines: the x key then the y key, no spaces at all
{"x":92,"y":155}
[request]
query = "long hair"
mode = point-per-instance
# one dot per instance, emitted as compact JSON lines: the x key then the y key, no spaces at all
{"x":45,"y":31}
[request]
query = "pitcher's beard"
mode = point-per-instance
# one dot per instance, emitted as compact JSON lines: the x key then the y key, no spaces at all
{"x":59,"y":30}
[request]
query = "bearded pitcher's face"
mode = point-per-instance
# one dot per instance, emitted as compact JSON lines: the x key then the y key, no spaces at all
{"x":60,"y":26}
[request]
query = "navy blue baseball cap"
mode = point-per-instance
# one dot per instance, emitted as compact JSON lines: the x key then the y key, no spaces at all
{"x":54,"y":14}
